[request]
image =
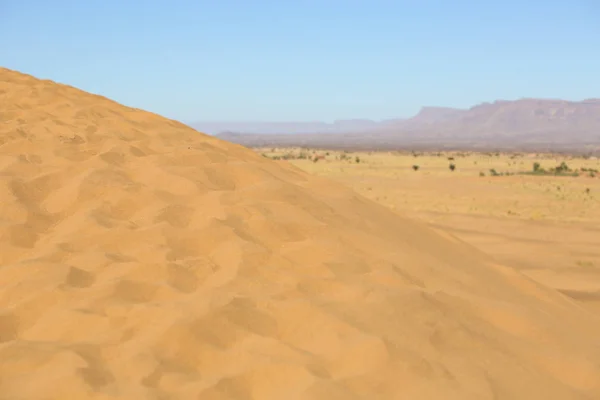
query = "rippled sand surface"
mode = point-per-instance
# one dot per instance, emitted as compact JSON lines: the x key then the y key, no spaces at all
{"x":140,"y":259}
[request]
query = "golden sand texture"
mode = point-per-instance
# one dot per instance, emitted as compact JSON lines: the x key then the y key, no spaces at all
{"x":140,"y":259}
{"x":545,"y":225}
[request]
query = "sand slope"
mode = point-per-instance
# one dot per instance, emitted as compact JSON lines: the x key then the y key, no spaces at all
{"x":143,"y":260}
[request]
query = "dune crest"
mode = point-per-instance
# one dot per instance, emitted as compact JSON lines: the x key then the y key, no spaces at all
{"x":140,"y":259}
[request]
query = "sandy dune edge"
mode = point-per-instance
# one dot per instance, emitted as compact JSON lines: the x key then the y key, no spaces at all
{"x":141,"y":259}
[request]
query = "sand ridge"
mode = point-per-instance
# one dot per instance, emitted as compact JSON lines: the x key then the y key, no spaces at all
{"x":545,"y":224}
{"x":142,"y":259}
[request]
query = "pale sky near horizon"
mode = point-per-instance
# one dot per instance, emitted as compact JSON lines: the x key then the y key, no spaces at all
{"x":309,"y":60}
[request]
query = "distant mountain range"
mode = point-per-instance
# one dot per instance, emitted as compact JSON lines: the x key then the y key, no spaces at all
{"x":542,"y":123}
{"x":342,"y":126}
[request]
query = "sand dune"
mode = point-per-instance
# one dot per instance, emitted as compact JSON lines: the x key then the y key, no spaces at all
{"x":141,"y":259}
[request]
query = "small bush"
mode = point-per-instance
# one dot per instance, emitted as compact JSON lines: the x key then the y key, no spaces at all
{"x":415,"y":167}
{"x":563,"y":167}
{"x":560,"y":170}
{"x":452,"y":167}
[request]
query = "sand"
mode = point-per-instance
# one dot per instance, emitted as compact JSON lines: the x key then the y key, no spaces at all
{"x":141,"y":259}
{"x":547,"y":227}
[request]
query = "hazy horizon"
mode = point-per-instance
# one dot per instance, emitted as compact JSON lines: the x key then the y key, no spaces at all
{"x":279,"y":62}
{"x":359,"y":118}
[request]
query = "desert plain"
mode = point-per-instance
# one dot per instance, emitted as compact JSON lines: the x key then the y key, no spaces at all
{"x":141,"y":259}
{"x":546,"y":224}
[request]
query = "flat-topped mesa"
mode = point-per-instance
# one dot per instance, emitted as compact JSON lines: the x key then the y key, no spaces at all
{"x":140,"y":258}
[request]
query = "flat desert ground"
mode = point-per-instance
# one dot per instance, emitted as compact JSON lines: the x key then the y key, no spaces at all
{"x":141,"y":259}
{"x":545,"y":225}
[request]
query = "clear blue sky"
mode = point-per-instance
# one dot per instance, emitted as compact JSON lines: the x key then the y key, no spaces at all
{"x":303,"y":60}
